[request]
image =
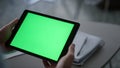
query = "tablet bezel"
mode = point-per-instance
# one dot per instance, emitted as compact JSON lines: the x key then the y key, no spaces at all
{"x":69,"y":40}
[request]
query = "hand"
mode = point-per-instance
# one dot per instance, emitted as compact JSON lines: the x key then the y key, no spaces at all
{"x":64,"y":62}
{"x":6,"y":31}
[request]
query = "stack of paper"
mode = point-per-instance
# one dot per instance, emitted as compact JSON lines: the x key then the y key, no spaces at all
{"x":13,"y":54}
{"x":85,"y":46}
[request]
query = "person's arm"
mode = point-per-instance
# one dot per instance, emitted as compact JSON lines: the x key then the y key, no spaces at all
{"x":5,"y":33}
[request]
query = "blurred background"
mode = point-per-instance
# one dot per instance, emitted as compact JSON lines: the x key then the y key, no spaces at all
{"x":99,"y":11}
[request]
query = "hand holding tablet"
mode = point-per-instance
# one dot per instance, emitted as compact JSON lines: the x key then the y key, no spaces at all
{"x":42,"y":35}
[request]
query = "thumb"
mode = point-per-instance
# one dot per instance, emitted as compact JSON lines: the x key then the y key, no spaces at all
{"x":66,"y":61}
{"x":71,"y":50}
{"x":12,"y":23}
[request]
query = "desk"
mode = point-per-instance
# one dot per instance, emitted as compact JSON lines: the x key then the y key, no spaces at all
{"x":108,"y":32}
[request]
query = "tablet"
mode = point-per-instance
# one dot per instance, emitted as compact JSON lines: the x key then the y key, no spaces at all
{"x":43,"y":35}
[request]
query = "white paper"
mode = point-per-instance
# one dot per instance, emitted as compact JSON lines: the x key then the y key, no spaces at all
{"x":87,"y":49}
{"x":13,"y":54}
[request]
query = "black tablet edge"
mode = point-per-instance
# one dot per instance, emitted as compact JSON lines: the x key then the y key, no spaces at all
{"x":57,"y":18}
{"x":35,"y":55}
{"x":69,"y":40}
{"x":65,"y":49}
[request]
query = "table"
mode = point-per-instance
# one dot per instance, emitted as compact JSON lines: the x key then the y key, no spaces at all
{"x":108,"y":32}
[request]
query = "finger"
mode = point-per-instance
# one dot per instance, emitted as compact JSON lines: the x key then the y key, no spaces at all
{"x":46,"y":64}
{"x":71,"y":50}
{"x":66,"y":61}
{"x":52,"y":63}
{"x":13,"y":23}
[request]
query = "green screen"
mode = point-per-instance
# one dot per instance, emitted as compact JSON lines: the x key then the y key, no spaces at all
{"x":42,"y":36}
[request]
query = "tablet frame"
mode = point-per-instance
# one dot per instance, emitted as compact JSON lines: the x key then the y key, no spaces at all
{"x":68,"y":42}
